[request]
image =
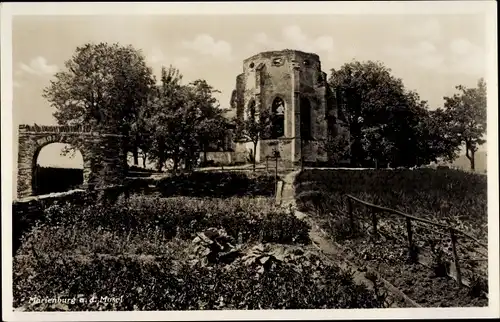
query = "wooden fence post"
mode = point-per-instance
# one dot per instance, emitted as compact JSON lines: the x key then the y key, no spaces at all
{"x":409,"y":233}
{"x":374,"y":221}
{"x":349,"y":211}
{"x":455,"y":255}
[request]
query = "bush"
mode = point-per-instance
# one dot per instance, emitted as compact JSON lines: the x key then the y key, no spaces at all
{"x":133,"y":223}
{"x":217,"y":184}
{"x":154,"y":285}
{"x":340,"y":229}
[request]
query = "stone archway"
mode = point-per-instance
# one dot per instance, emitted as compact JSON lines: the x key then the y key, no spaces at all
{"x":57,"y":172}
{"x":104,"y":158}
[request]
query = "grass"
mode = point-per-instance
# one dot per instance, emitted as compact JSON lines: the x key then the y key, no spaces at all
{"x":445,"y":196}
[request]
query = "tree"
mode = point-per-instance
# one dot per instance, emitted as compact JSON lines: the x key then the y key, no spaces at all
{"x":336,"y":147}
{"x":183,"y":120}
{"x":163,"y":118}
{"x":105,"y":86}
{"x":256,"y":126}
{"x":466,"y":116}
{"x":211,"y":125}
{"x":383,"y":118}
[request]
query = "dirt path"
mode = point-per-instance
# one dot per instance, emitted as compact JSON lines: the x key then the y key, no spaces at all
{"x":331,"y":251}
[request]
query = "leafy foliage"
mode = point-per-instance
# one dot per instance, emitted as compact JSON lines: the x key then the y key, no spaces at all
{"x":107,"y":253}
{"x":104,"y":86}
{"x":466,"y":118}
{"x":145,"y":223}
{"x":445,"y":196}
{"x":156,"y":285}
{"x":182,"y":120}
{"x":217,"y":184}
{"x":387,"y":123}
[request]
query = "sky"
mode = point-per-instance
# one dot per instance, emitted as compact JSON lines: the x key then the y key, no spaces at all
{"x":431,"y":53}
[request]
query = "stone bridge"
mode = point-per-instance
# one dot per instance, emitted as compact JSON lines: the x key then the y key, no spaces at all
{"x":104,"y":155}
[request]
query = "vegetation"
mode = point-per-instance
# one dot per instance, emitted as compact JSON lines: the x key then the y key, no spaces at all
{"x":445,"y":196}
{"x":110,"y":87}
{"x":255,"y":126}
{"x":218,"y":184}
{"x":464,"y":119}
{"x":104,"y":86}
{"x":171,"y":254}
{"x":390,"y":125}
{"x":182,"y":120}
{"x":214,"y":240}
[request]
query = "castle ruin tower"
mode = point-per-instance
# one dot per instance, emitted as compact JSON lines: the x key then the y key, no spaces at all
{"x":291,"y":85}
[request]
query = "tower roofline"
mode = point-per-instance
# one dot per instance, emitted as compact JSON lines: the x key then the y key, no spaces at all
{"x":268,"y":54}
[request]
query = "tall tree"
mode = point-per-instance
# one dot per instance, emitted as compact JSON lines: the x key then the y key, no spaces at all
{"x":211,"y":125}
{"x":163,"y":117}
{"x":466,"y":113}
{"x":255,"y":126}
{"x":383,"y":118}
{"x":103,"y":85}
{"x":183,"y":120}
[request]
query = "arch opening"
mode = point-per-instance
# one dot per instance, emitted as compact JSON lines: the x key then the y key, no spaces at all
{"x":57,"y":167}
{"x":305,"y":119}
{"x":278,"y":118}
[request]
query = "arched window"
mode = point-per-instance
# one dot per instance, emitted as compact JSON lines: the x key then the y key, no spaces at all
{"x":251,"y":110}
{"x":305,"y":119}
{"x":278,"y":115}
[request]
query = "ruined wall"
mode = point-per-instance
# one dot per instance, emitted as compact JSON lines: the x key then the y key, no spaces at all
{"x":103,"y":155}
{"x":293,"y":76}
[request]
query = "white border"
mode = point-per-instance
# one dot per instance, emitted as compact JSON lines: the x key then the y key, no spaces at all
{"x":488,"y":8}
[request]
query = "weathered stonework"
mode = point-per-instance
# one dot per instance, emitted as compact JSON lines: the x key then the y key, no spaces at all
{"x":104,"y":157}
{"x":296,"y":78}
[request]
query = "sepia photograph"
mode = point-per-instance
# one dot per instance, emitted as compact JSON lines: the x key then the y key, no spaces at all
{"x":294,"y":160}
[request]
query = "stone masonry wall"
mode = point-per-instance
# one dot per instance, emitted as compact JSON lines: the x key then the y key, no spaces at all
{"x":291,"y":75}
{"x":103,"y":154}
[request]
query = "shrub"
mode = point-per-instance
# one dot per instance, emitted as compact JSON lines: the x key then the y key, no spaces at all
{"x":340,"y":229}
{"x":138,"y":221}
{"x":217,"y":184}
{"x":478,"y":286}
{"x":155,"y":285}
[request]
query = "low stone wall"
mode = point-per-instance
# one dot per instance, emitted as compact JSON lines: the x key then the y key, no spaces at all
{"x":226,"y":158}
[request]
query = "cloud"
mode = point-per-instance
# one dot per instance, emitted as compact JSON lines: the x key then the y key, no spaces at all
{"x":460,"y":56}
{"x":466,"y":57}
{"x":424,"y":54}
{"x":38,"y":66}
{"x":158,"y":59}
{"x":293,"y":37}
{"x":429,"y":29}
{"x":207,"y":45}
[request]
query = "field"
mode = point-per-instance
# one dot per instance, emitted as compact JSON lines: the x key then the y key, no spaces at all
{"x":448,"y":197}
{"x":168,"y":251}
